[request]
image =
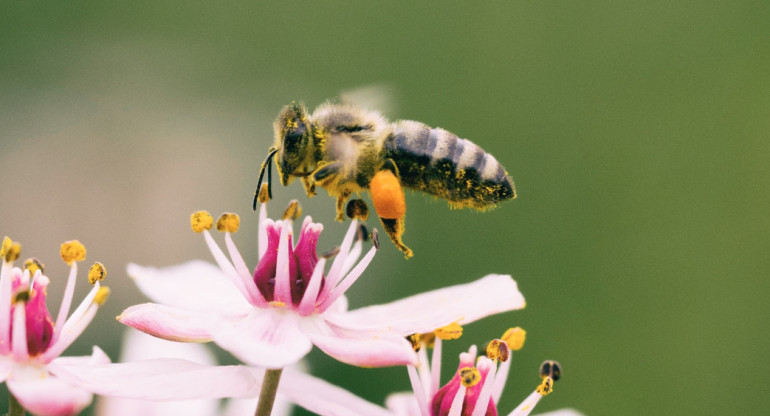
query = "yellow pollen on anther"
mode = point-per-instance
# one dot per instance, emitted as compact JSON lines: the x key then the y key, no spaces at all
{"x":415,"y":340}
{"x":96,"y":272}
{"x":11,"y":250}
{"x":545,"y":387}
{"x":228,"y":222}
{"x":101,"y":295}
{"x":264,"y":195}
{"x":293,"y":211}
{"x":277,"y":304}
{"x":514,"y":337}
{"x":451,"y":331}
{"x":201,"y":220}
{"x":469,"y":376}
{"x":72,"y":250}
{"x":33,"y":265}
{"x":498,"y":350}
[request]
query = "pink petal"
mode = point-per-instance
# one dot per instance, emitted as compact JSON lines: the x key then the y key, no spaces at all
{"x":139,"y":346}
{"x":425,"y":312}
{"x":361,"y":348}
{"x":269,"y":338}
{"x":162,"y":379}
{"x":5,"y":368}
{"x":49,"y":396}
{"x":197,"y":285}
{"x":118,"y":406}
{"x":97,"y":357}
{"x":168,"y":323}
{"x":323,"y":398}
{"x":402,"y":404}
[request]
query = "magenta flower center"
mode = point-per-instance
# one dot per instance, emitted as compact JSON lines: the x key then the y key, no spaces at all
{"x":38,"y":319}
{"x":302,"y":261}
{"x":442,"y":401}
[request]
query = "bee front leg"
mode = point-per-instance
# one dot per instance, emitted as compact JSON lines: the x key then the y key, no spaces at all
{"x":309,"y":184}
{"x":390,"y":205}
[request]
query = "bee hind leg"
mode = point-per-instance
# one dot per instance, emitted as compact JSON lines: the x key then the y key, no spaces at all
{"x":395,"y":229}
{"x":390,"y":205}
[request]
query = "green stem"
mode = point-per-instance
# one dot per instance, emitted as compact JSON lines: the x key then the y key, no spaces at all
{"x":14,"y":407}
{"x":267,"y":395}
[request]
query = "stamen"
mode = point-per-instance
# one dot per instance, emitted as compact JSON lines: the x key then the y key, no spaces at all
{"x":514,"y":337}
{"x":201,"y":220}
{"x":33,"y":265}
{"x":451,"y":331}
{"x":72,"y":250}
{"x":228,"y":222}
{"x":293,"y":211}
{"x":469,"y":376}
{"x":498,"y":350}
{"x":375,"y":238}
{"x":357,"y":209}
{"x":22,"y":295}
{"x":330,"y":253}
{"x":101,"y":295}
{"x":545,"y":387}
{"x":10,"y":250}
{"x":550,"y":369}
{"x":414,"y":339}
{"x":263,"y":195}
{"x":96,"y":273}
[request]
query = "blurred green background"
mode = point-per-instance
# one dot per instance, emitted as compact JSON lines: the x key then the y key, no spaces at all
{"x":637,"y":134}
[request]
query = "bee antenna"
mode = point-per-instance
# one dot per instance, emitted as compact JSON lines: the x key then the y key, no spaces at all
{"x":266,"y":165}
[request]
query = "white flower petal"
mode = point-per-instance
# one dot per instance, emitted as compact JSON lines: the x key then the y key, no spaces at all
{"x":269,"y":338}
{"x":196,"y":285}
{"x":168,"y":323}
{"x":139,"y":346}
{"x":49,"y":396}
{"x":361,"y":348}
{"x":323,"y":398}
{"x":403,"y":404}
{"x":97,"y":357}
{"x":428,"y":311}
{"x":116,"y":406}
{"x":561,"y":412}
{"x":162,"y":379}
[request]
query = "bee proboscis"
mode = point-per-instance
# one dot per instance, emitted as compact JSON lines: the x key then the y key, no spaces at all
{"x":346,"y":149}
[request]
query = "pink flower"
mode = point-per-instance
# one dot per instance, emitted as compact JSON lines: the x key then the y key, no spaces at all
{"x":31,"y":343}
{"x":273,"y":316}
{"x":476,"y":386}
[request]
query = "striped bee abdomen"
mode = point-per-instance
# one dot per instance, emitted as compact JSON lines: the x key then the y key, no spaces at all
{"x":439,"y":163}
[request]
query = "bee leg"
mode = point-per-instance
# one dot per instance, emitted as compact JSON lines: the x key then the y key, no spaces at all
{"x":341,"y":204}
{"x":390,"y":205}
{"x":395,"y":229}
{"x":309,"y":185}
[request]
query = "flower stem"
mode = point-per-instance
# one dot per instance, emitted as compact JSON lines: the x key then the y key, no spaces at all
{"x":269,"y":389}
{"x":14,"y":407}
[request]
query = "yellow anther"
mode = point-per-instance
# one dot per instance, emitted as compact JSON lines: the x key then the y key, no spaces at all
{"x":498,"y":350}
{"x":201,"y":220}
{"x":414,"y":339}
{"x":264,"y":195}
{"x":33,"y":265}
{"x":101,"y":295}
{"x":469,"y":376}
{"x":5,"y":249}
{"x":514,"y":337}
{"x":545,"y":387}
{"x":21,"y":295}
{"x":228,"y":222}
{"x":96,"y":273}
{"x":277,"y":304}
{"x":72,"y":250}
{"x":293,"y":211}
{"x":451,"y":331}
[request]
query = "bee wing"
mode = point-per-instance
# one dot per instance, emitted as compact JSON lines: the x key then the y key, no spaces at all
{"x":379,"y":97}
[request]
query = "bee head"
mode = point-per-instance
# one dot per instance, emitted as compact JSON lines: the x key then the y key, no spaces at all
{"x":293,"y":138}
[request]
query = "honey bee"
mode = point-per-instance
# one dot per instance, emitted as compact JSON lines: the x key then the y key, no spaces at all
{"x":346,"y":149}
